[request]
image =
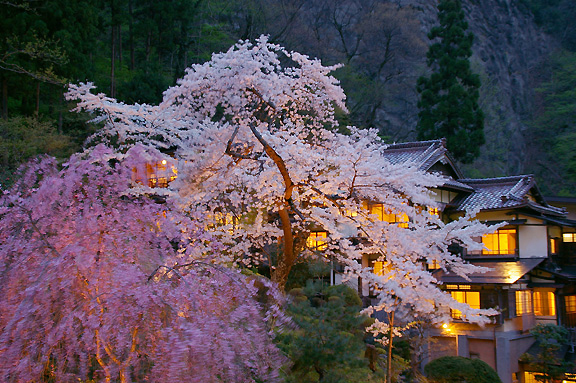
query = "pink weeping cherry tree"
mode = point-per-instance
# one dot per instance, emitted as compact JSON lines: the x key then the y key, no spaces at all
{"x":97,"y":284}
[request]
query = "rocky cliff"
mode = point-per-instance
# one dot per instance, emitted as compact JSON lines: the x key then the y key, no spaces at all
{"x":509,"y":50}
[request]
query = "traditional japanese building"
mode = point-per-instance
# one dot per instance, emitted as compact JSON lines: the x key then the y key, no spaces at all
{"x":531,"y":254}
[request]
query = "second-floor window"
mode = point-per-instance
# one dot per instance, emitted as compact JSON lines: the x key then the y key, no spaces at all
{"x":554,"y":242}
{"x":501,"y":242}
{"x":385,"y":215}
{"x":569,"y":237}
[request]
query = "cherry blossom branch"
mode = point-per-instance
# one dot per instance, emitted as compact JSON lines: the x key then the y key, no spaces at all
{"x":236,"y":154}
{"x":99,"y":358}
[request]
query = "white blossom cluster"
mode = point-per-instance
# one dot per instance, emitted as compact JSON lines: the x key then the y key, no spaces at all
{"x":256,"y":138}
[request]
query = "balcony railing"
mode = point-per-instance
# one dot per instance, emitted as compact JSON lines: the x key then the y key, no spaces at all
{"x":491,"y":254}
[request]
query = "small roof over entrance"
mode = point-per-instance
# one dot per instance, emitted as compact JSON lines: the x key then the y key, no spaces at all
{"x":502,"y":272}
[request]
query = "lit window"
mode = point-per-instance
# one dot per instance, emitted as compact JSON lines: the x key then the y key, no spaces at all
{"x":569,"y":237}
{"x":387,"y":216}
{"x":317,"y":240}
{"x":570,"y":301}
{"x":530,"y":377}
{"x":380,"y":268}
{"x":223,"y":220}
{"x":523,"y":302}
{"x":554,"y":245}
{"x":452,"y":287}
{"x":434,"y":211}
{"x":158,"y":174}
{"x":503,"y":241}
{"x":434,"y":265}
{"x":472,"y":298}
{"x":544,"y":304}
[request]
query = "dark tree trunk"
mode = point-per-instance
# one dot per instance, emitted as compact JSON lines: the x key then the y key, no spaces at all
{"x":113,"y":64}
{"x":131,"y":34}
{"x":37,"y":108}
{"x":119,"y":37}
{"x":390,"y":337}
{"x":4,"y":98}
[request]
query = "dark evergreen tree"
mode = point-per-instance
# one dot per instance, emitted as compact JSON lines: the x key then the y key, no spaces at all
{"x":449,"y":97}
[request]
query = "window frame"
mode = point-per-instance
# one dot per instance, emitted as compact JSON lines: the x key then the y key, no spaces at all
{"x":501,"y":235}
{"x":524,"y":302}
{"x":473,"y":298}
{"x":544,"y":303}
{"x":496,"y":239}
{"x":317,"y":240}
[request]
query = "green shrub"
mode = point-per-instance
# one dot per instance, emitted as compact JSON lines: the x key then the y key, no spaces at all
{"x":457,"y":369}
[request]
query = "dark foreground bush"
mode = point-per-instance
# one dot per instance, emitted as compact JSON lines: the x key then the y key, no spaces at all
{"x":457,"y":369}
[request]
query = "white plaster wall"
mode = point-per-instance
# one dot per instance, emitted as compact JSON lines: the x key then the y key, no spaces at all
{"x":494,"y":216}
{"x":533,"y":241}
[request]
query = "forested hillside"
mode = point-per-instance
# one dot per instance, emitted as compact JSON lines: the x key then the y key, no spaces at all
{"x":524,"y":52}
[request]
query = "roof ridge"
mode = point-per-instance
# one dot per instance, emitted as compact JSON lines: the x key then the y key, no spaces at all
{"x":525,"y":182}
{"x":493,"y":180}
{"x":416,"y":144}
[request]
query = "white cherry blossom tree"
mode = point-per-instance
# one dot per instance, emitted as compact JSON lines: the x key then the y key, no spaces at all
{"x":263,"y":159}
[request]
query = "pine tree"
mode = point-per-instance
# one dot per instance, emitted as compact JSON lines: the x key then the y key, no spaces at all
{"x":449,"y":97}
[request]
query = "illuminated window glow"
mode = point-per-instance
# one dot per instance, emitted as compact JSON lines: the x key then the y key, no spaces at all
{"x":554,"y":245}
{"x":570,"y":301}
{"x":380,"y":268}
{"x":452,"y":287}
{"x":472,"y":298}
{"x":458,"y":287}
{"x":155,"y":175}
{"x":569,"y":237}
{"x":523,"y":302}
{"x":387,"y":216}
{"x":434,"y":211}
{"x":317,"y":240}
{"x":544,"y":303}
{"x":434,"y":265}
{"x":503,"y":241}
{"x":530,"y":377}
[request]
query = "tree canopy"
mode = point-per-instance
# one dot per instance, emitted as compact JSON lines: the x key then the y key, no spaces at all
{"x":260,"y":159}
{"x":98,"y":285}
{"x":449,"y":96}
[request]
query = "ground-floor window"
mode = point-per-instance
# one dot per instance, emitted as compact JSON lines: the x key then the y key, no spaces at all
{"x":317,"y":240}
{"x":472,"y":298}
{"x":544,"y":303}
{"x":523,"y":302}
{"x":570,"y":301}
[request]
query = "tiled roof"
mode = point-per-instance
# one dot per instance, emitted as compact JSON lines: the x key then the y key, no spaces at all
{"x":484,"y":194}
{"x":504,"y":193}
{"x":458,"y":185}
{"x":423,"y":154}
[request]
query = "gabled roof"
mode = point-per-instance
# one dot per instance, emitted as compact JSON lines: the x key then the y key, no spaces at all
{"x":424,"y":154}
{"x":506,"y":193}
